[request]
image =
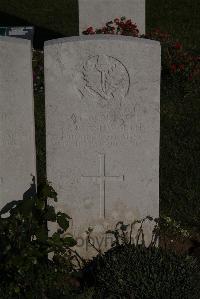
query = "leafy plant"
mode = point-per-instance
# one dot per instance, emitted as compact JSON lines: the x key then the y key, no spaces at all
{"x":26,"y":268}
{"x":129,"y":271}
{"x":133,"y":270}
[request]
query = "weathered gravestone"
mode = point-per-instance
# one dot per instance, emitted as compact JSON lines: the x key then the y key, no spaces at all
{"x":25,"y":32}
{"x":17,"y":144}
{"x":97,"y":13}
{"x":103,"y":120}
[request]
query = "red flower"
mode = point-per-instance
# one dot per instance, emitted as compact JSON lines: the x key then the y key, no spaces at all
{"x":128,"y":22}
{"x":90,"y":30}
{"x":104,"y":29}
{"x":181,"y":67}
{"x":122,"y":24}
{"x":116,"y":21}
{"x":177,"y":46}
{"x":173,"y":67}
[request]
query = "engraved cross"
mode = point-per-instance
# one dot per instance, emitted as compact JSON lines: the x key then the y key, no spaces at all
{"x":101,"y":180}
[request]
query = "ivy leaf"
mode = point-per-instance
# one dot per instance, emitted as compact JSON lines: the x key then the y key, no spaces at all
{"x":9,"y":206}
{"x":56,"y":238}
{"x":40,"y":203}
{"x":42,"y":235}
{"x":69,"y":241}
{"x":50,"y":214}
{"x":63,"y":221}
{"x":17,"y":290}
{"x":26,"y":206}
{"x":66,"y":216}
{"x":47,"y":191}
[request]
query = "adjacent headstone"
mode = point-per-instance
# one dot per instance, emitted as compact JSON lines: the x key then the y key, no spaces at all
{"x":26,"y":32}
{"x":97,"y":13}
{"x":17,"y":137}
{"x":102,"y":122}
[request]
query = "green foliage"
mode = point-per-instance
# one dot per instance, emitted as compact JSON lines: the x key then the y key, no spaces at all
{"x":132,"y":270}
{"x":129,"y":271}
{"x":26,"y":269}
{"x":88,"y":293}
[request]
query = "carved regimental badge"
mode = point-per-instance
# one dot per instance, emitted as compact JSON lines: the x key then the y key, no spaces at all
{"x":104,"y":78}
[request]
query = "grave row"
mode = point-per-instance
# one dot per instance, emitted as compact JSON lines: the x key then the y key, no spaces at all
{"x":102,"y":97}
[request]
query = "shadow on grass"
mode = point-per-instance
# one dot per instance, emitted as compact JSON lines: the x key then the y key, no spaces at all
{"x":40,"y":34}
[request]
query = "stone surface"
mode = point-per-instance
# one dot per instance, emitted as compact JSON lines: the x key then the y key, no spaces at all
{"x":97,"y":13}
{"x":103,"y":122}
{"x":17,"y":136}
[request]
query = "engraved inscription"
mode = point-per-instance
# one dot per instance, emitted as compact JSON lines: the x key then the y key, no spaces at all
{"x":101,"y":180}
{"x":9,"y":138}
{"x":78,"y":140}
{"x":105,"y":78}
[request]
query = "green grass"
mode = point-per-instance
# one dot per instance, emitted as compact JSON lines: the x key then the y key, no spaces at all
{"x":180,"y":129}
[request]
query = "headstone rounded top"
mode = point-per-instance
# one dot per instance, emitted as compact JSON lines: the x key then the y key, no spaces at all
{"x":102,"y":123}
{"x":100,"y":37}
{"x":15,"y":40}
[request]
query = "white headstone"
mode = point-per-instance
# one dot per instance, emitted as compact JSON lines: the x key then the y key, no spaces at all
{"x":103,"y":123}
{"x":17,"y":136}
{"x":97,"y":13}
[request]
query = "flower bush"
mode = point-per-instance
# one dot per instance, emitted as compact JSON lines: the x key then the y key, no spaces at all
{"x":176,"y":62}
{"x":118,"y":26}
